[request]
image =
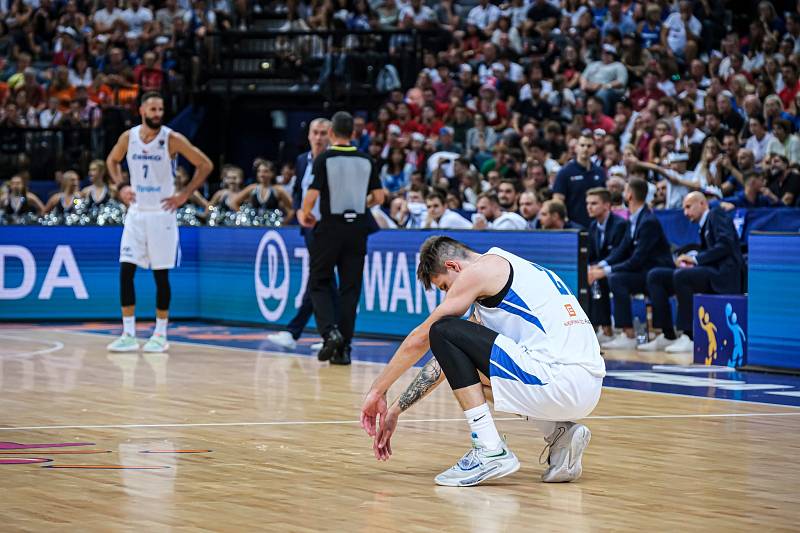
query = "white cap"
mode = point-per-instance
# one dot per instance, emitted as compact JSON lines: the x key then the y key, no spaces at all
{"x":417,"y":136}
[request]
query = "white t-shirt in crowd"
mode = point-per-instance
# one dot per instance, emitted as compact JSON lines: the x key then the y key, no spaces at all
{"x":676,"y":36}
{"x":450,"y":220}
{"x":137,"y":19}
{"x":508,"y":221}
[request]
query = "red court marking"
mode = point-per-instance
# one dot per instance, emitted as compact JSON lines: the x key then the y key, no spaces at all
{"x":58,"y":452}
{"x":20,"y":446}
{"x":24,"y":460}
{"x":176,"y":451}
{"x":108,"y":467}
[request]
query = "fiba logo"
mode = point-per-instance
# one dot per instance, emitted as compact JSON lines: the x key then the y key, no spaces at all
{"x":272,"y":283}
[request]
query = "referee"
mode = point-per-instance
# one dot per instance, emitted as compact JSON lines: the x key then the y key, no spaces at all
{"x":346,"y":183}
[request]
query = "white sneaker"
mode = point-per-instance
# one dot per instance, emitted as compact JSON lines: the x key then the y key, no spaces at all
{"x":620,"y":342}
{"x":683,"y":345}
{"x":603,"y":338}
{"x":317,"y":346}
{"x":479,"y":465}
{"x":283,"y":339}
{"x":125,"y":343}
{"x":156,"y":344}
{"x":566,"y":446}
{"x":656,"y":345}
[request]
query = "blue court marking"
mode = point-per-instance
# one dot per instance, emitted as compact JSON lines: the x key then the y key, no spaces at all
{"x":766,"y":388}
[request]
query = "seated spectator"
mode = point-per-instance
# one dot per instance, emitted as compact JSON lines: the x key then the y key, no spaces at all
{"x":760,"y":138}
{"x":507,"y":194}
{"x":491,"y":216}
{"x":553,"y":215}
{"x":595,"y":119}
{"x":785,"y":141}
{"x":232,"y":182}
{"x":606,"y":232}
{"x":715,"y":269}
{"x":61,"y":88}
{"x":16,"y":200}
{"x":783,"y":187}
{"x":98,"y":192}
{"x":148,"y":75}
{"x":644,"y":247}
{"x":263,"y":195}
{"x":480,"y":140}
{"x":80,"y":74}
{"x":751,"y":196}
{"x":650,"y":92}
{"x":439,"y":216}
{"x":607,"y":79}
{"x":182,"y":179}
{"x":66,"y":201}
{"x":51,"y":116}
{"x":529,"y":207}
{"x":681,"y":180}
{"x":396,"y":172}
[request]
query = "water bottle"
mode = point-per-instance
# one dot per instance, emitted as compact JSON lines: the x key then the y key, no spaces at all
{"x":596,"y":292}
{"x":640,"y":328}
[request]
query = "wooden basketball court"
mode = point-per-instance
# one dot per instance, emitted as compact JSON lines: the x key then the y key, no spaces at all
{"x":242,"y":440}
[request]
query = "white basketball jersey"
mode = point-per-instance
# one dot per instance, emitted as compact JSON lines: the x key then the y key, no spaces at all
{"x":540,"y":313}
{"x":151,"y":169}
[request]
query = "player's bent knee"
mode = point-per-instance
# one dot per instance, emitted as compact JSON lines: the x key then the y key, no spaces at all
{"x":440,"y":327}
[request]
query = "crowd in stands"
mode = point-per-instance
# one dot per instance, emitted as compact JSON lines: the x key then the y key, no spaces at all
{"x":527,"y":105}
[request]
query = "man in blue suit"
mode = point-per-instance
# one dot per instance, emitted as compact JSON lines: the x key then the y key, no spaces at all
{"x":318,"y":140}
{"x":606,"y":233}
{"x":716,"y":269}
{"x":644,"y":247}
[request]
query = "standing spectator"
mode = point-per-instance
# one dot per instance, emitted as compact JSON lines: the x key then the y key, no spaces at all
{"x":577,"y":177}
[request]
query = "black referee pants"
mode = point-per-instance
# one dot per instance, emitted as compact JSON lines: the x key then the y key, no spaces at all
{"x":341,"y":245}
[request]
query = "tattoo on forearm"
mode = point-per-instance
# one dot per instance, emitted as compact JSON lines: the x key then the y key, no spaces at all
{"x":425,"y":381}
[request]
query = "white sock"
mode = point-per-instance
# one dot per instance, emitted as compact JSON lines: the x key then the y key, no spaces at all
{"x":482,"y":426}
{"x":129,"y":325}
{"x":161,"y":326}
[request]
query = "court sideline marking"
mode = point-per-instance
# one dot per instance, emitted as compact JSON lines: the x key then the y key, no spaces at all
{"x":409,"y":421}
{"x":275,"y":353}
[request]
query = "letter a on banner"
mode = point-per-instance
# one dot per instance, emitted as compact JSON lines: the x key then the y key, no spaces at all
{"x":73,"y":280}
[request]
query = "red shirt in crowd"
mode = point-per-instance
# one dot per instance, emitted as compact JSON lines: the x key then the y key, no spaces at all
{"x":640,"y":97}
{"x":787,"y":94}
{"x":601,"y":121}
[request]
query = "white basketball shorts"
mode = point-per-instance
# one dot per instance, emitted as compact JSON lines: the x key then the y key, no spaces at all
{"x":150,"y":240}
{"x":554,"y":392}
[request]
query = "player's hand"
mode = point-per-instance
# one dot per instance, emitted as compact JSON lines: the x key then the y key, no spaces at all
{"x":374,"y":405}
{"x":306,"y":220}
{"x":174,"y":202}
{"x":382,"y":445}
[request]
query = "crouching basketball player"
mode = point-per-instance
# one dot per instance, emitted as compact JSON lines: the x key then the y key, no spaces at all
{"x":528,"y":344}
{"x":150,"y":235}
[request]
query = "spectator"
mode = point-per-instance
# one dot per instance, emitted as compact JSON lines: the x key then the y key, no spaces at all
{"x":98,"y":192}
{"x":529,"y":207}
{"x":791,"y":84}
{"x":80,"y":74}
{"x":263,"y":195}
{"x":232,"y":181}
{"x":644,"y":247}
{"x":446,"y":142}
{"x":681,"y":181}
{"x":491,"y":216}
{"x":681,"y":33}
{"x":17,"y":201}
{"x":51,"y":116}
{"x":396,"y":172}
{"x":715,"y":269}
{"x":607,"y":79}
{"x":507,"y":194}
{"x":484,"y":16}
{"x":606,"y":232}
{"x":67,"y":200}
{"x":785,"y":141}
{"x":595,"y":119}
{"x":148,"y":75}
{"x":578,"y":176}
{"x":361,"y":137}
{"x":751,"y":196}
{"x":617,"y":20}
{"x":650,"y":92}
{"x":759,"y":139}
{"x":105,"y":18}
{"x":480,"y":139}
{"x":138,"y":19}
{"x":166,"y":16}
{"x":784,"y":184}
{"x":553,"y":215}
{"x":439,"y":216}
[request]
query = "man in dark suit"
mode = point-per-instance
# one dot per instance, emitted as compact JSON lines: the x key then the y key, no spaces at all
{"x":644,"y":247}
{"x":716,"y":269}
{"x":318,"y":140}
{"x":606,"y":232}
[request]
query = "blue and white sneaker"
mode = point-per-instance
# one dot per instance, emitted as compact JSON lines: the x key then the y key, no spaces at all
{"x":478,"y":465}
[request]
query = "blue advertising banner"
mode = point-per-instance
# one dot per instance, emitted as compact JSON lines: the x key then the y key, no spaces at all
{"x":73,"y":273}
{"x":774,"y":272}
{"x":253,"y":275}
